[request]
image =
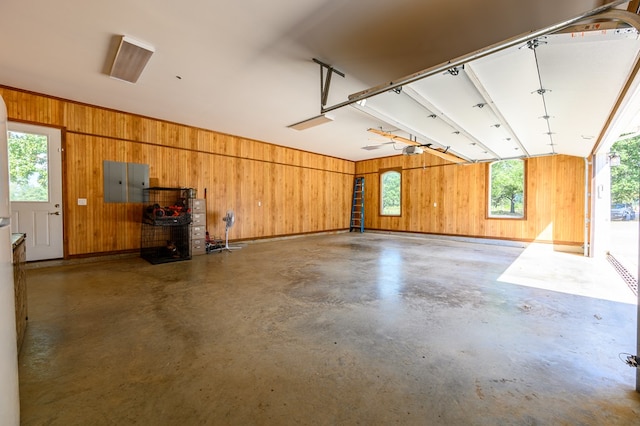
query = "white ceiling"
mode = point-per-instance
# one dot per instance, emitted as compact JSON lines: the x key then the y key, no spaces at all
{"x":246,"y":69}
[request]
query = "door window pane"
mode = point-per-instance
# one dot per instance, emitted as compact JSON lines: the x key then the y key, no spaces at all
{"x":28,"y":167}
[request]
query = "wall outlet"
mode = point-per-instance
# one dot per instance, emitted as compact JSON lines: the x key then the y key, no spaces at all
{"x":82,"y":201}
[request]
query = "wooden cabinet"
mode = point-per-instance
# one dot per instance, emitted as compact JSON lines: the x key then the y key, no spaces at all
{"x":20,"y":285}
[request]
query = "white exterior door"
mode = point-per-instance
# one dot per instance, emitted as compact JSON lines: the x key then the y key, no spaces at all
{"x":35,"y":169}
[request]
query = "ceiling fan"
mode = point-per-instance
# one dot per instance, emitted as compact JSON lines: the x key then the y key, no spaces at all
{"x":416,"y":147}
{"x":378,"y":146}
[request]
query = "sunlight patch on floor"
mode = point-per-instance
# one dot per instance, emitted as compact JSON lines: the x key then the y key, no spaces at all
{"x":542,"y":267}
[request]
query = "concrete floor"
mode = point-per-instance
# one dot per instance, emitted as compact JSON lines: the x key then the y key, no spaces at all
{"x":342,"y":329}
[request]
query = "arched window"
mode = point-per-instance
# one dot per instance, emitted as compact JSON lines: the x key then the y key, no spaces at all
{"x":390,"y":193}
{"x":507,"y":189}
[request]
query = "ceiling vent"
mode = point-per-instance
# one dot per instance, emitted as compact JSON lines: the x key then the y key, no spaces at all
{"x":130,"y":60}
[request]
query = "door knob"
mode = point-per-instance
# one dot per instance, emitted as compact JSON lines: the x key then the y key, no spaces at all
{"x":54,"y":213}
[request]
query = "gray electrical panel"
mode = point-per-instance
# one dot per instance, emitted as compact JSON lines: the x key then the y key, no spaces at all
{"x":125,"y":182}
{"x":137,"y":181}
{"x":115,"y":177}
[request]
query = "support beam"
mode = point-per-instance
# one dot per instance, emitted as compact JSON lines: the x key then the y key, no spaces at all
{"x":325,"y":81}
{"x":437,"y":153}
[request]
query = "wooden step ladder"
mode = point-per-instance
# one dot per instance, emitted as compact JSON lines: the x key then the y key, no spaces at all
{"x":357,"y":207}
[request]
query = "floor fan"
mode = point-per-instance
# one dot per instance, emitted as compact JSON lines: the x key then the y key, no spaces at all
{"x":229,"y":219}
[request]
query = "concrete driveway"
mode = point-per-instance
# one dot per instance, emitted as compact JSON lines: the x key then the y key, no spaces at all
{"x":624,"y":244}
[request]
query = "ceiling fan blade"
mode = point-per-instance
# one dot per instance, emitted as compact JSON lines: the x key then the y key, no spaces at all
{"x":378,"y":145}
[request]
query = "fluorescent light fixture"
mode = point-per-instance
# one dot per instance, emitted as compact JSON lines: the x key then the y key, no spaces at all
{"x":130,"y":60}
{"x":311,"y":122}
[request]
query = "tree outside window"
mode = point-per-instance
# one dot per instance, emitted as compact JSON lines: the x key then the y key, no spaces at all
{"x":28,"y":167}
{"x":625,"y":177}
{"x":506,"y":189}
{"x":390,"y":193}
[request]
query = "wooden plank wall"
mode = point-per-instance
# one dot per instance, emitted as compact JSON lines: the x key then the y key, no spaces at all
{"x":299,"y":192}
{"x":441,"y":198}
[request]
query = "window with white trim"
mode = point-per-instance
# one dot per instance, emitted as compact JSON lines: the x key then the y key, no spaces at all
{"x":390,"y":193}
{"x":507,"y":189}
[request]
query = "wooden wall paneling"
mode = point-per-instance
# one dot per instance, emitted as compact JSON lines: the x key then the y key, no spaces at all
{"x":302,"y":189}
{"x":244,"y":148}
{"x":280,"y":217}
{"x":346,"y":181}
{"x":230,"y":146}
{"x":258,"y":185}
{"x":206,"y":141}
{"x":305,"y":192}
{"x":479,"y":180}
{"x":433,"y":200}
{"x":149,"y":131}
{"x":277,"y":154}
{"x":293,"y":197}
{"x":192,"y":138}
{"x":319,"y":209}
{"x":535,"y":199}
{"x":412,"y":205}
{"x":193,"y":170}
{"x":33,"y":108}
{"x":554,"y":187}
{"x":215,"y":194}
{"x":540,"y":193}
{"x":331,"y":199}
{"x":372,"y":200}
{"x":274,"y":192}
{"x":474,"y":186}
{"x":335,"y":200}
{"x":315,"y":208}
{"x":76,"y":219}
{"x":448,"y":212}
{"x":134,"y":129}
{"x":78,"y":118}
{"x":243,"y":171}
{"x":460,"y":200}
{"x":257,"y":150}
{"x":569,"y":195}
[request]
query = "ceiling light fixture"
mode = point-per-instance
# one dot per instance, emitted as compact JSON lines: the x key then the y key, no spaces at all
{"x":424,"y":147}
{"x":131,"y":58}
{"x":412,"y":150}
{"x":311,"y":122}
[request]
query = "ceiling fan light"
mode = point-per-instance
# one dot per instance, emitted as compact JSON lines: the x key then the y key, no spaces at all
{"x":412,"y":150}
